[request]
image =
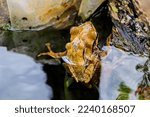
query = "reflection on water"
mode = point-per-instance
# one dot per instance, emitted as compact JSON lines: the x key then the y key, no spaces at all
{"x":119,"y":67}
{"x":21,"y":78}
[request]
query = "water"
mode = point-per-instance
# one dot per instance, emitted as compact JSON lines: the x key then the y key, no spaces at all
{"x":119,"y":67}
{"x":21,"y":78}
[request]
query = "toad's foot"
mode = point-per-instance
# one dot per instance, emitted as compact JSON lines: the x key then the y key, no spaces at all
{"x":51,"y":53}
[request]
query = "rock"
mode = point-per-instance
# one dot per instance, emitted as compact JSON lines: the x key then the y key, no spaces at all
{"x":32,"y":43}
{"x":88,"y":7}
{"x":145,"y":6}
{"x":39,"y":14}
{"x":4,"y":16}
{"x":131,"y":31}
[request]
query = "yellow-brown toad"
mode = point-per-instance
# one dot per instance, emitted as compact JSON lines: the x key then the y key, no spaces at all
{"x":82,"y":54}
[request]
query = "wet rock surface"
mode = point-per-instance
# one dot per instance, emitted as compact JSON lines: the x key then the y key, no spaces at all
{"x":131,"y":30}
{"x":33,"y":42}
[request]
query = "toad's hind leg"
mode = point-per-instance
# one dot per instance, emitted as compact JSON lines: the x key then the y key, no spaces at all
{"x":51,"y":53}
{"x":90,"y":71}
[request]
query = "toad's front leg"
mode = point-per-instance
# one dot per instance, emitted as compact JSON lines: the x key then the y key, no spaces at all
{"x":51,"y":53}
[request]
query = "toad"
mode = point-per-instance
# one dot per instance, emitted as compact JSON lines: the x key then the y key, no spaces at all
{"x":82,"y":55}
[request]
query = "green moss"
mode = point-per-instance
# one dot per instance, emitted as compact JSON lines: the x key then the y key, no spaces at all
{"x":124,"y":92}
{"x":123,"y":96}
{"x":6,"y":27}
{"x":123,"y":88}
